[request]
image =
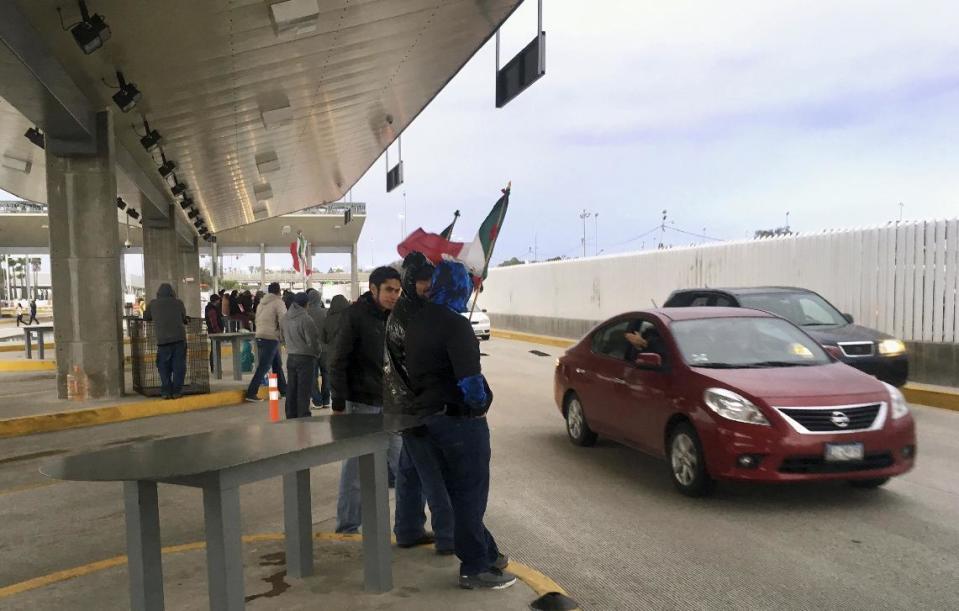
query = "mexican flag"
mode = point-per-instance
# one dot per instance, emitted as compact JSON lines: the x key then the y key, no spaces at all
{"x":474,"y":255}
{"x":298,"y":250}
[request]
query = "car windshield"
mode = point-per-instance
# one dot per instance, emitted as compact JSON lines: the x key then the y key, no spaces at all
{"x":803,"y":309}
{"x":745,"y":342}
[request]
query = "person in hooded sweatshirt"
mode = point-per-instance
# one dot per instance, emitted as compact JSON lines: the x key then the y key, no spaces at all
{"x":302,"y":339}
{"x":331,"y":327}
{"x":452,"y":398}
{"x":419,"y":478}
{"x":169,"y":319}
{"x":268,"y":335}
{"x":317,"y":311}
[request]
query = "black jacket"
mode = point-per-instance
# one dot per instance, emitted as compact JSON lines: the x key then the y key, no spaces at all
{"x":398,"y":396}
{"x":356,"y":365}
{"x":168,"y":316}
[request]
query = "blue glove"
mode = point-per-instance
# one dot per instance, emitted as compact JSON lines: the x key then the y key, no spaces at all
{"x":474,"y":392}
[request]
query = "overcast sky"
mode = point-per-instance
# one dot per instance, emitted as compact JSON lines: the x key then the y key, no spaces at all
{"x":728,"y":115}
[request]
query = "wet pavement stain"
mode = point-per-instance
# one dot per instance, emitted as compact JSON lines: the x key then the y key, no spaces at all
{"x":276,"y":581}
{"x":273,"y":559}
{"x":538,"y":353}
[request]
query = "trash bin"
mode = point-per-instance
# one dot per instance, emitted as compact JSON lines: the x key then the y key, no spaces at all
{"x":143,"y":352}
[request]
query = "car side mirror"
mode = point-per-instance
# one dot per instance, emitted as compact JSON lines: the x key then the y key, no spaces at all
{"x":649,"y":360}
{"x":848,"y":318}
{"x":834,"y":351}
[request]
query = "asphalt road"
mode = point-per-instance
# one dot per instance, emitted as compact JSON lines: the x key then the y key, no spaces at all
{"x":604,"y":522}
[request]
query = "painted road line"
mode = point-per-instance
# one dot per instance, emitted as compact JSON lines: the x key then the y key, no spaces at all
{"x":538,"y":582}
{"x":548,"y":340}
{"x":12,"y":366}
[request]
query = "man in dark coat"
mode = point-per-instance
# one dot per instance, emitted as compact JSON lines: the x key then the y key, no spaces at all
{"x":356,"y":375}
{"x":452,"y":397}
{"x":169,"y":320}
{"x":320,"y":395}
{"x":419,"y":478}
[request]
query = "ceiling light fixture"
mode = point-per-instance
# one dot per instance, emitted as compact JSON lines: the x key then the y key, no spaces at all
{"x":133,"y":213}
{"x":198,"y":223}
{"x":186,"y":203}
{"x":168,"y":166}
{"x":178,"y":189}
{"x":152,"y":139}
{"x":121,"y":204}
{"x":35,"y":136}
{"x":192,"y":214}
{"x":128,"y":96}
{"x":90,"y":32}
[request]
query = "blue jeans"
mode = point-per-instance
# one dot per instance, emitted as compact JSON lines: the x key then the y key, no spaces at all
{"x":171,"y":363}
{"x":268,"y":357}
{"x":349,"y":512}
{"x":463,"y":448}
{"x":321,"y":393}
{"x":419,"y":480}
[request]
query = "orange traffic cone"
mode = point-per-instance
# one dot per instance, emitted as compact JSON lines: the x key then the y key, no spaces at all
{"x":274,"y":399}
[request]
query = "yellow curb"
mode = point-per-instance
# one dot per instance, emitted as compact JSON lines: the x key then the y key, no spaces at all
{"x":20,"y":347}
{"x":538,"y":582}
{"x":28,"y":365}
{"x":536,"y":339}
{"x":943,"y":399}
{"x":58,"y":421}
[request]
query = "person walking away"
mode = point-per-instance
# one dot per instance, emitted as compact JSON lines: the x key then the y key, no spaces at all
{"x":245,"y":318}
{"x":452,"y":397}
{"x":419,"y":477}
{"x":211,"y":315}
{"x":169,"y":327}
{"x":320,"y":394}
{"x":19,"y":313}
{"x":331,"y":327}
{"x":302,"y":339}
{"x":268,"y":317}
{"x":356,"y":375}
{"x":33,"y":313}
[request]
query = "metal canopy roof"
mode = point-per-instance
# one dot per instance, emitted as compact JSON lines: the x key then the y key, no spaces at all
{"x":226,"y":83}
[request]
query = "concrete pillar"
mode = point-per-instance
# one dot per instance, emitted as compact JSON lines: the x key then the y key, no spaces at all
{"x":161,"y":254}
{"x":85,"y":264}
{"x":189,"y":287}
{"x":215,"y":268}
{"x":262,"y":267}
{"x":354,"y":274}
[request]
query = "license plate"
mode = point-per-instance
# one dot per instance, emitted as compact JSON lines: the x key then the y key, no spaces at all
{"x":843,"y":452}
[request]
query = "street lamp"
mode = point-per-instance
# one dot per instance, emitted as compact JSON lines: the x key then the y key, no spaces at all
{"x":584,"y":215}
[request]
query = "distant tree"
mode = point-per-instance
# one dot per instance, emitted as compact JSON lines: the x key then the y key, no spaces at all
{"x":772,"y":233}
{"x":229,"y":285}
{"x":554,"y":259}
{"x":335,"y":270}
{"x":511,"y":262}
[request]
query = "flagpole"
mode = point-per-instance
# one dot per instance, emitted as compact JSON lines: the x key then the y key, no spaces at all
{"x":489,"y":255}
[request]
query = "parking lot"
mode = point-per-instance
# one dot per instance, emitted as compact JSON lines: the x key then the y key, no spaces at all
{"x":604,"y":522}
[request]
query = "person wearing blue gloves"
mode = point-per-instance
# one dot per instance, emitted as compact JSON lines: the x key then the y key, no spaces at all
{"x":452,"y":398}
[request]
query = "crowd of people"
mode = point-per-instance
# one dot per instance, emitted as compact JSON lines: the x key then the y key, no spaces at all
{"x":402,"y":347}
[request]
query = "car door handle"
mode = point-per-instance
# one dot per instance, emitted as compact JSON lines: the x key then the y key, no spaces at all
{"x":580,"y":371}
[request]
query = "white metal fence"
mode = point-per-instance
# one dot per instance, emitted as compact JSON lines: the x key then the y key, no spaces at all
{"x":901,"y":279}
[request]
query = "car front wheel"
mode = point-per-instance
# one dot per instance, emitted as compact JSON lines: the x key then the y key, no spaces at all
{"x":687,"y":465}
{"x":576,"y":426}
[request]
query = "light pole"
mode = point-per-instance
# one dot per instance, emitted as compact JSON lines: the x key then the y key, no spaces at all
{"x":584,"y":215}
{"x":787,"y":221}
{"x":901,"y":206}
{"x":596,"y":233}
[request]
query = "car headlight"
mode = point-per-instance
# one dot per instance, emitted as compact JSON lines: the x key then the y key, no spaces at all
{"x":897,"y":402}
{"x":732,"y":406}
{"x":892,"y":347}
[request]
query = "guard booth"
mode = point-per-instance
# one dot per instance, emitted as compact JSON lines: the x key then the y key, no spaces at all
{"x":143,"y":352}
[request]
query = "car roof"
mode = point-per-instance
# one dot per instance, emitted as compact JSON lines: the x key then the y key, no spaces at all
{"x":703,"y":312}
{"x":746,"y":290}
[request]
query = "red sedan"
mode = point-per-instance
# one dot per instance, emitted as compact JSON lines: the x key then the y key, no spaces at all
{"x":732,"y":393}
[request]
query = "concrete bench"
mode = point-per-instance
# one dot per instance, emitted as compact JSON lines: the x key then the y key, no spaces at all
{"x":219,"y":462}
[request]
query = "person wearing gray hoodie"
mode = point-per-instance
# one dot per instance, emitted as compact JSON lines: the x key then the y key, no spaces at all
{"x":169,"y":317}
{"x":302,"y":340}
{"x":268,"y":335}
{"x":317,"y":311}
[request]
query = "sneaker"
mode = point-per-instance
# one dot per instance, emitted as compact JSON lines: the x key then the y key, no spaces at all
{"x":493,"y":579}
{"x":502,"y":561}
{"x":253,"y":399}
{"x":424,"y":539}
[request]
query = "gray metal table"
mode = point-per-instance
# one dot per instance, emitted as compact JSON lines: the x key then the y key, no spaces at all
{"x":219,"y":462}
{"x":236,"y":339}
{"x":28,"y":339}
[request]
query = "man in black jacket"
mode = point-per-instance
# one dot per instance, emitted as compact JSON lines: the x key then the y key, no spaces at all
{"x":356,"y":376}
{"x":169,"y":317}
{"x":419,"y":478}
{"x":452,"y":397}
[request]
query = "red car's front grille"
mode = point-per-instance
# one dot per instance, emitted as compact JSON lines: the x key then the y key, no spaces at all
{"x":827,"y":421}
{"x":818,"y":464}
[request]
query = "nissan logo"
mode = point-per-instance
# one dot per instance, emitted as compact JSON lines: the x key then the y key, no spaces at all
{"x":840,"y":419}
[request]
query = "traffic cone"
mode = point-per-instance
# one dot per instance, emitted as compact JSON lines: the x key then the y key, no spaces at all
{"x":274,"y":399}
